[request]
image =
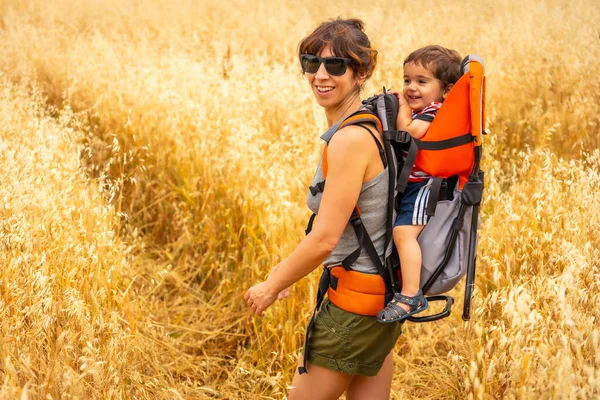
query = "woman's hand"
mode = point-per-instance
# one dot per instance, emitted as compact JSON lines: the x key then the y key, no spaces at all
{"x":259,"y":297}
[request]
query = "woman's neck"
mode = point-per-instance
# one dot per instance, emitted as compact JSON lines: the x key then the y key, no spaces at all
{"x":349,"y":105}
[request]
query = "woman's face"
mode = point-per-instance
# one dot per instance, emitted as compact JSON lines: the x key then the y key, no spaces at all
{"x":332,"y":91}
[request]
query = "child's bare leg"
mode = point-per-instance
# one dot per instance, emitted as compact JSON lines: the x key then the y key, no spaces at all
{"x":405,"y":239}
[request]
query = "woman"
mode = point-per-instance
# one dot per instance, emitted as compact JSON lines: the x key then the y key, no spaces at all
{"x":346,"y":352}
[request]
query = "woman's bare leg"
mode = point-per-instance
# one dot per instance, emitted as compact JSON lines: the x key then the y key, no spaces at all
{"x":318,"y":384}
{"x":376,"y":387}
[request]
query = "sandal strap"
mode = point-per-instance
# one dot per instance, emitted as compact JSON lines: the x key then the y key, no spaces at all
{"x":411,"y":301}
{"x":392,"y":311}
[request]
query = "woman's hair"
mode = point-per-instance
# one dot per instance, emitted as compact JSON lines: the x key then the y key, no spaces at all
{"x":346,"y":38}
{"x":443,"y":63}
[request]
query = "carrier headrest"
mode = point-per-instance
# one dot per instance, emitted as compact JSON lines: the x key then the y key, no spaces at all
{"x":391,"y":107}
{"x":385,"y":106}
{"x":464,"y":65}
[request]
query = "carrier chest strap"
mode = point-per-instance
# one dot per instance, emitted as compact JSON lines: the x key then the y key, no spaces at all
{"x":317,"y":188}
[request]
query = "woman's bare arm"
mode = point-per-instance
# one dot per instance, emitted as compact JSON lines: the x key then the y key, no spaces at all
{"x":348,"y":155}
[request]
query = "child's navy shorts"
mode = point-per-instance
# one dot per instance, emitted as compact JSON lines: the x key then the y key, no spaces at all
{"x":413,"y":204}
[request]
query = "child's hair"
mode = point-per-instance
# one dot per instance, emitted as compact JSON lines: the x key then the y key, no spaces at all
{"x":347,"y":38}
{"x":442,"y":62}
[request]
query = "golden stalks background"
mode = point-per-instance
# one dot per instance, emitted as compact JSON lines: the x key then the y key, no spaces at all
{"x":155,"y":159}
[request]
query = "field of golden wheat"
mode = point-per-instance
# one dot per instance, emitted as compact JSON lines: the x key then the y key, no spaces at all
{"x":155,"y":157}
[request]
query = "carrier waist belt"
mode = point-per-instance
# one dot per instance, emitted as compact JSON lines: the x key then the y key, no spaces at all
{"x":356,"y":292}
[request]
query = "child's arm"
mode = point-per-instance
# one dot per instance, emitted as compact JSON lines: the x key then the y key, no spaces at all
{"x":415,"y":128}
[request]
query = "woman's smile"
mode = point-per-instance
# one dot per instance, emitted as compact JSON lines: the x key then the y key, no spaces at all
{"x":324,"y":89}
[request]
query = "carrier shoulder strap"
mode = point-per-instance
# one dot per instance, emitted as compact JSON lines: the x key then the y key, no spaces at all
{"x":359,"y":118}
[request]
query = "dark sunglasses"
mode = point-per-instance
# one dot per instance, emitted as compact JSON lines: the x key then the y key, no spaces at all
{"x":335,"y":66}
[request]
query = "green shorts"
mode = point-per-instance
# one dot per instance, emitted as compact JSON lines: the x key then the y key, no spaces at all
{"x":349,"y":343}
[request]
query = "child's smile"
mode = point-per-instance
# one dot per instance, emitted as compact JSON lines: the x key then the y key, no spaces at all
{"x":412,"y":99}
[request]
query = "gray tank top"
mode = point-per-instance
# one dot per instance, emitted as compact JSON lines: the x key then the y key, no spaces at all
{"x":372,"y":202}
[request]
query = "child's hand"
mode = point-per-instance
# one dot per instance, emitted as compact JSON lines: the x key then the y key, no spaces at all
{"x":401,"y":98}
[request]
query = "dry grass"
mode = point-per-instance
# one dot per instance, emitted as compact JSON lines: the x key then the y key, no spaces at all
{"x":155,"y":162}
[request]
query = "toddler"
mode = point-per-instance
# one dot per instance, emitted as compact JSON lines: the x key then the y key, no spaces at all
{"x":429,"y":74}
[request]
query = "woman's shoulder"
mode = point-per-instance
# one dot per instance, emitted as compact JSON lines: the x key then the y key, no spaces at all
{"x":356,"y":140}
{"x":352,"y":147}
{"x":352,"y":136}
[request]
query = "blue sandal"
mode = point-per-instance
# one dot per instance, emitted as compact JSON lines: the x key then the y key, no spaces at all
{"x":394,"y":313}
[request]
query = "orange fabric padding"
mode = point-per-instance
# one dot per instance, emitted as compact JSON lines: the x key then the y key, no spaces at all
{"x":483,"y":105}
{"x":362,"y":117}
{"x":453,"y":119}
{"x":476,"y":95}
{"x":357,"y":293}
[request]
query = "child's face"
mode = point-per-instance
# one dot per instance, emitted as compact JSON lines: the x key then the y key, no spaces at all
{"x":421,"y":88}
